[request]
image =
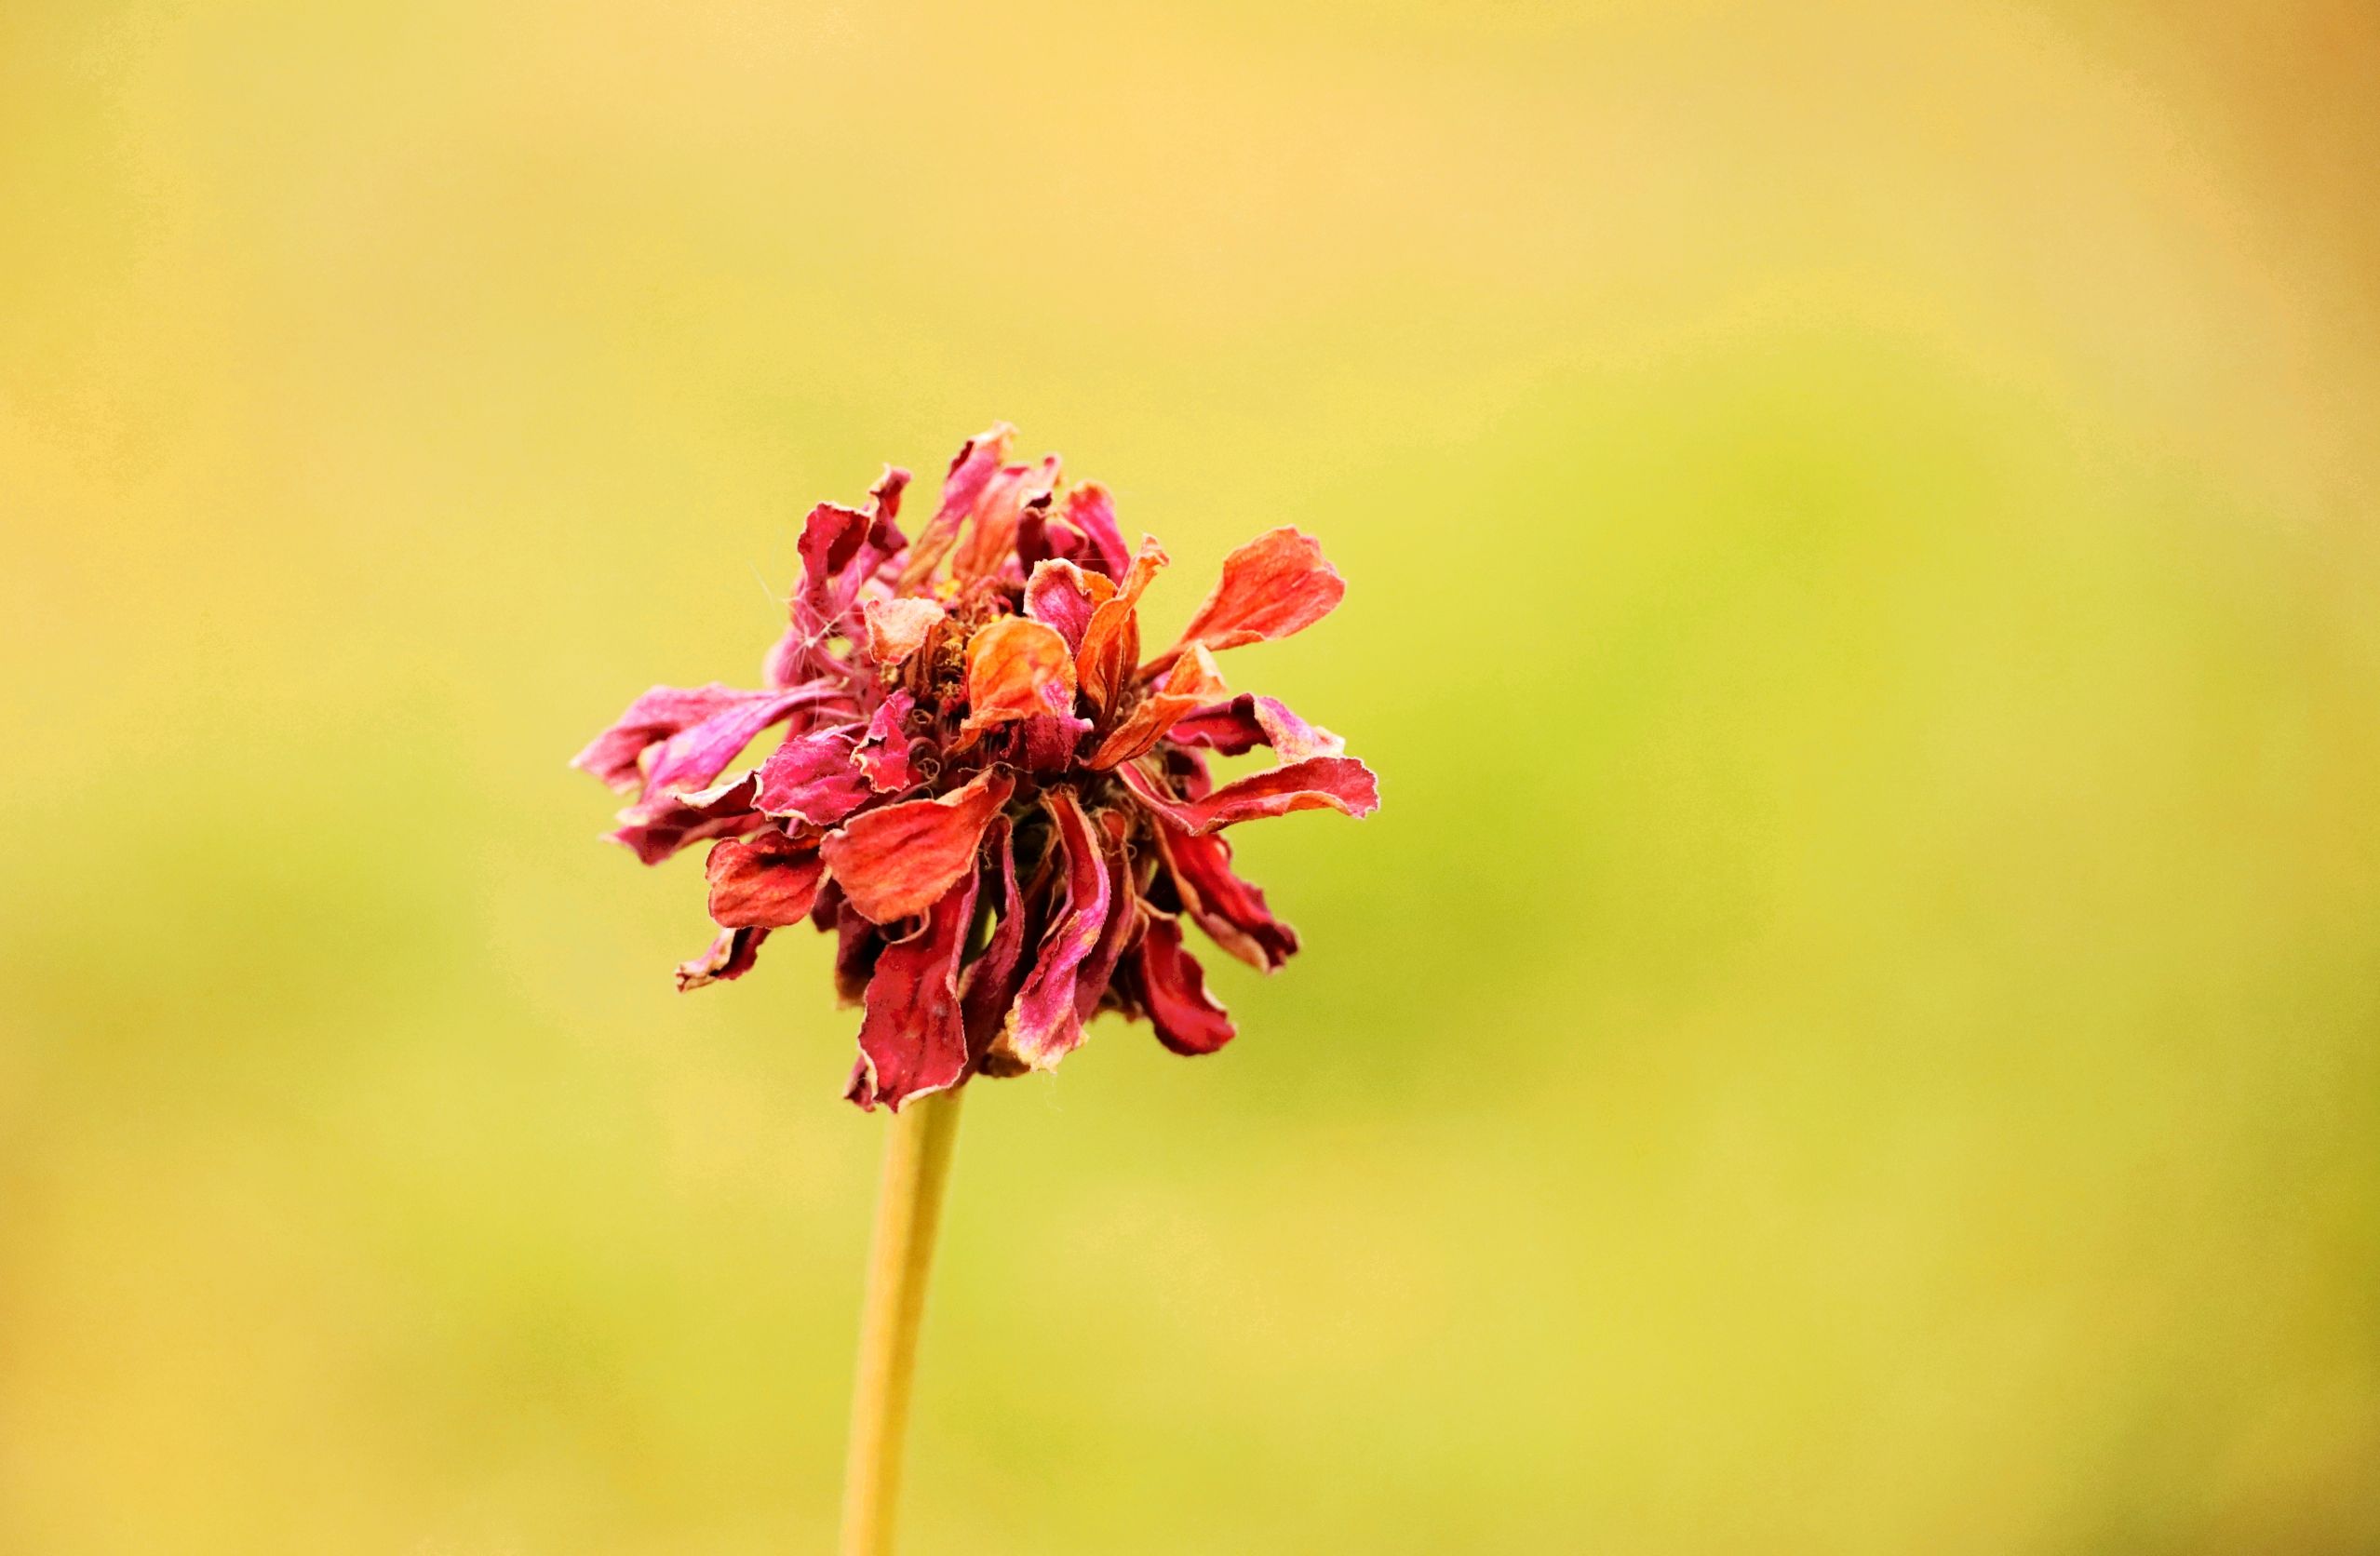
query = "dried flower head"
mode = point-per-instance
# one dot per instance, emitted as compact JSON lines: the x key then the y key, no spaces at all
{"x":1001,"y":811}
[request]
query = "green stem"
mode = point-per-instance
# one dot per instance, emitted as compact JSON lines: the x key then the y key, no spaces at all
{"x":917,"y":1164}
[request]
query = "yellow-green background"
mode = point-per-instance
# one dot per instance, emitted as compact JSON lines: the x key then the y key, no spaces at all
{"x":1853,"y":1032}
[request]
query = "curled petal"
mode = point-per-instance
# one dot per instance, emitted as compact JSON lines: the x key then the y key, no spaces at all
{"x":1247,"y":721}
{"x":813,"y":778}
{"x":1111,"y":640}
{"x":1091,"y":511}
{"x":912,"y":1039}
{"x":1043,"y":1025}
{"x":1006,"y":495}
{"x":884,"y":506}
{"x":1125,"y":916}
{"x":731,"y":956}
{"x":1232,"y":911}
{"x":993,"y":978}
{"x":662,"y":714}
{"x":858,"y":945}
{"x":832,"y":539}
{"x":1064,"y":595}
{"x":1339,"y":783}
{"x":694,"y":758}
{"x":896,"y":628}
{"x":767,"y":881}
{"x":1193,"y":681}
{"x":978,"y":460}
{"x":883,"y":754}
{"x":1187,"y":1017}
{"x":900,"y":859}
{"x":658,"y":827}
{"x":1016,"y":668}
{"x":1276,"y":584}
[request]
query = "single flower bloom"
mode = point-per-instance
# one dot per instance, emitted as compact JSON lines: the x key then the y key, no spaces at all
{"x":1000,"y":810}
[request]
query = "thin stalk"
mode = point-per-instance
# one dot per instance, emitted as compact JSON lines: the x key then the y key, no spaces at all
{"x":917,"y":1164}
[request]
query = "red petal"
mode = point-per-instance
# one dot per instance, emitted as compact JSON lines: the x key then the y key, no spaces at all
{"x":1016,"y":668}
{"x":764,"y":882}
{"x":994,"y":977}
{"x":1232,"y":911}
{"x":1044,"y":1027}
{"x":883,"y":753}
{"x":1247,"y":721}
{"x":1091,"y":510}
{"x":912,"y":1040}
{"x":1276,"y":584}
{"x":1340,"y":783}
{"x":989,"y":544}
{"x":1122,"y":926}
{"x":1187,"y":1018}
{"x":812,"y":777}
{"x":897,"y":628}
{"x":731,"y":956}
{"x":896,"y":861}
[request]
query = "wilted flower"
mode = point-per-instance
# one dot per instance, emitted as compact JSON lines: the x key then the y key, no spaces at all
{"x":1001,"y":810}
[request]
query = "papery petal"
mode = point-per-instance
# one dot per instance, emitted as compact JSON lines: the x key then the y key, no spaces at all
{"x":1111,"y":640}
{"x":1339,"y":783}
{"x":1016,"y":668}
{"x":858,"y":945}
{"x":1091,"y":510}
{"x":1231,"y":910}
{"x":896,"y":861}
{"x":896,"y":628}
{"x":993,"y":978}
{"x":884,"y":537}
{"x":1191,"y":682}
{"x":1064,"y":595}
{"x":1247,"y":721}
{"x":731,"y":956}
{"x":1276,"y":584}
{"x":978,"y":460}
{"x":883,"y":754}
{"x":1044,"y":1027}
{"x":913,"y":1040}
{"x":765,"y":881}
{"x":1124,"y":920}
{"x":659,"y":825}
{"x":812,"y":777}
{"x":1187,"y":1018}
{"x":693,"y":758}
{"x":658,"y":715}
{"x":993,"y":539}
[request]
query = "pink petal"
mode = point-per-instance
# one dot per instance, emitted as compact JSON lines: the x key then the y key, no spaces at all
{"x":1247,"y":721}
{"x":1050,"y":741}
{"x":883,"y":754}
{"x":1276,"y":584}
{"x":731,"y":956}
{"x":1016,"y":668}
{"x":1187,"y":1017}
{"x":1340,"y":783}
{"x":896,"y":861}
{"x":1124,"y":921}
{"x":1044,"y":1027}
{"x":978,"y":460}
{"x":1090,"y":509}
{"x":898,"y":628}
{"x":832,"y":539}
{"x":658,"y":827}
{"x":812,"y":777}
{"x":1064,"y":595}
{"x":993,"y":978}
{"x":992,"y":540}
{"x":767,"y":881}
{"x":913,"y":1040}
{"x":694,"y":758}
{"x":1232,"y":911}
{"x":661,"y":713}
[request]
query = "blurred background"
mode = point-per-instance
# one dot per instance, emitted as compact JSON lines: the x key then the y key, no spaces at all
{"x":1853,"y":1032}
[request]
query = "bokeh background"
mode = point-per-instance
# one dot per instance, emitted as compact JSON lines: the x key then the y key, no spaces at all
{"x":1855,"y":1031}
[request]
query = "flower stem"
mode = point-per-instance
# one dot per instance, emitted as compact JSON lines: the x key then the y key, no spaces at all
{"x":917,"y":1164}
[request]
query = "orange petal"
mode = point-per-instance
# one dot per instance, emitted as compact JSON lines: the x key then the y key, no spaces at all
{"x":1193,"y":683}
{"x":1276,"y":584}
{"x":1111,"y":642}
{"x":900,"y":859}
{"x":1016,"y":668}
